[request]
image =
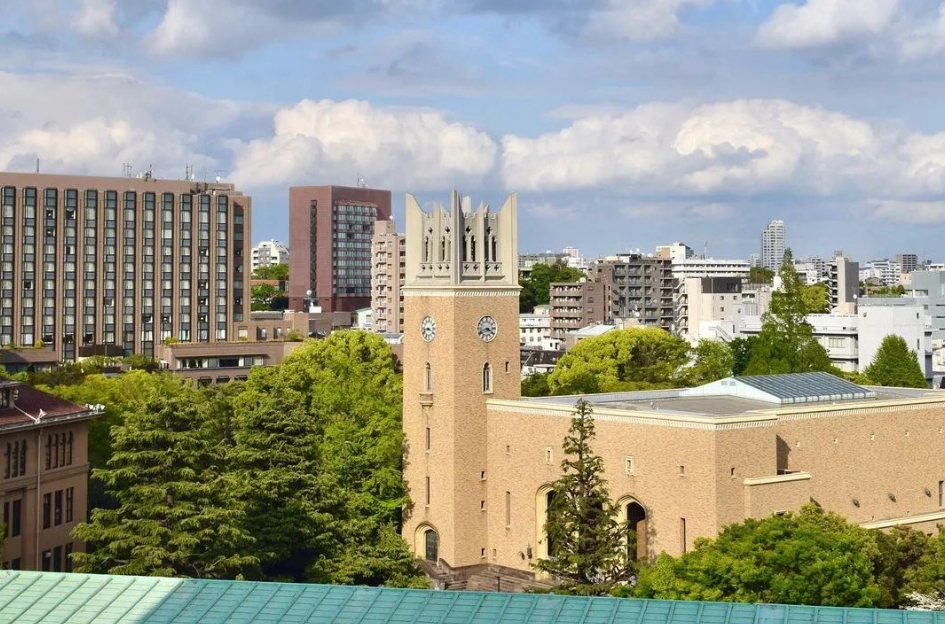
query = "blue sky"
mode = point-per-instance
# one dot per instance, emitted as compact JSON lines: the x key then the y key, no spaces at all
{"x":622,"y":124}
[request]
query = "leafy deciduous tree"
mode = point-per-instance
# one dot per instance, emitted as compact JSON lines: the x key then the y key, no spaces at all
{"x":622,"y":359}
{"x":712,"y":360}
{"x":896,"y":365}
{"x":536,"y":385}
{"x":816,"y":298}
{"x":589,"y":552}
{"x":272,"y":272}
{"x":810,"y":557}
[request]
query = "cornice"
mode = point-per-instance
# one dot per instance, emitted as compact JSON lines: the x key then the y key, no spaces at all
{"x":637,"y":417}
{"x":461,"y":290}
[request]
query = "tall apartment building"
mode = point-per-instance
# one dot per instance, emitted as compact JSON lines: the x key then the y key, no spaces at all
{"x":269,"y":253}
{"x":908,"y":262}
{"x":703,"y":303}
{"x":44,"y":489}
{"x":388,"y":253}
{"x":638,"y":286}
{"x":843,"y":281}
{"x":575,"y":305}
{"x":95,"y":265}
{"x":772,"y":245}
{"x":330,"y":231}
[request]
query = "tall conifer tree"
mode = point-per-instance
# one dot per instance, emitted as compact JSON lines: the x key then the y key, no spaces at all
{"x":588,"y":543}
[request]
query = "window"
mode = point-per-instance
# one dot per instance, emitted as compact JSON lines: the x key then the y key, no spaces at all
{"x":15,"y":456}
{"x":835,"y":343}
{"x":68,"y":553}
{"x":57,"y":559}
{"x":6,"y":519}
{"x":22,"y":457}
{"x":57,"y":508}
{"x":430,"y":545}
{"x":508,"y":367}
{"x":70,"y":503}
{"x":628,"y":465}
{"x":682,"y":471}
{"x":47,"y":510}
{"x":508,"y":509}
{"x":941,"y":493}
{"x":16,"y":519}
{"x":428,"y":440}
{"x":547,"y":454}
{"x":69,"y":449}
{"x":428,"y":377}
{"x":428,"y":491}
{"x":486,"y":378}
{"x":47,"y":560}
{"x":682,"y":533}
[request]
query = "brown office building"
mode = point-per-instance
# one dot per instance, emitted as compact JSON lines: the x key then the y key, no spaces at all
{"x":112,"y":266}
{"x":44,"y":490}
{"x":330,"y":231}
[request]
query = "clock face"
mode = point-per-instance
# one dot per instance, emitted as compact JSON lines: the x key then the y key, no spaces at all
{"x":487,"y":328}
{"x":428,"y":328}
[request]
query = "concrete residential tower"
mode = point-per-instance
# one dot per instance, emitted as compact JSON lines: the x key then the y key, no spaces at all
{"x":460,"y":349}
{"x":772,"y":245}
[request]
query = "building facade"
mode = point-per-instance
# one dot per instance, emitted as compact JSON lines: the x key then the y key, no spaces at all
{"x":113,"y":266}
{"x":909,"y":262}
{"x":773,"y":245}
{"x":330,"y":232}
{"x":269,"y":253}
{"x":680,"y":464}
{"x":44,"y":490}
{"x":843,"y":282}
{"x":706,"y":302}
{"x":638,"y":286}
{"x":534,"y":330}
{"x":575,"y":305}
{"x":388,"y":257}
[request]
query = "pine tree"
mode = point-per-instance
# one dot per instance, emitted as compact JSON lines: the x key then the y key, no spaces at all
{"x":589,"y":545}
{"x":786,"y":343}
{"x":896,"y":365}
{"x":175,"y":515}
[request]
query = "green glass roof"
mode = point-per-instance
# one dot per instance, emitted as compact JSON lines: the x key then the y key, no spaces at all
{"x":53,"y":598}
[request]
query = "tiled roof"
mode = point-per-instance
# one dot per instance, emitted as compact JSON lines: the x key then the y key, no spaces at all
{"x":31,"y":401}
{"x":53,"y":598}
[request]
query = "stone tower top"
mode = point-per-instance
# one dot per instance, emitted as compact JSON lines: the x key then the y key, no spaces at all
{"x":460,"y":246}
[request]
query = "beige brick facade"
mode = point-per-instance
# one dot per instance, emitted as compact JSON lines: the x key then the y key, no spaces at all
{"x":681,"y":466}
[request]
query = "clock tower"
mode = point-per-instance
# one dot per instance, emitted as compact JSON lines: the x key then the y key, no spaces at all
{"x":461,"y":349}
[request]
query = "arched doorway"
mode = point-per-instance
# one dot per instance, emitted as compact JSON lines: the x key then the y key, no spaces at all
{"x":636,"y":531}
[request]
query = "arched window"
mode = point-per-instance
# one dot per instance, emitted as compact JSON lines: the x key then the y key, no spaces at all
{"x":549,"y":501}
{"x":430,"y":543}
{"x":428,"y":377}
{"x":486,"y":378}
{"x":442,"y":248}
{"x":472,"y":248}
{"x":636,"y":531}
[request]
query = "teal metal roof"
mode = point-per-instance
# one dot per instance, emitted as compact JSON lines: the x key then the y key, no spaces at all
{"x":53,"y":598}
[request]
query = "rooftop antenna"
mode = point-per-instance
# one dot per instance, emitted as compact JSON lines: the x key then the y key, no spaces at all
{"x":129,"y":170}
{"x":37,"y":165}
{"x":361,"y":182}
{"x":189,"y":172}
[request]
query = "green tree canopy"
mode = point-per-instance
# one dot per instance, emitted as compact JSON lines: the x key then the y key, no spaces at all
{"x":175,"y":514}
{"x":896,"y":365}
{"x":588,"y":544}
{"x":810,"y":557}
{"x":760,"y":275}
{"x":536,"y":288}
{"x":786,"y":343}
{"x":741,"y":353}
{"x":621,"y":359}
{"x":816,"y":298}
{"x":326,"y":424}
{"x":267,"y":297}
{"x":272,"y":272}
{"x":925,"y":580}
{"x":536,"y":385}
{"x":712,"y":360}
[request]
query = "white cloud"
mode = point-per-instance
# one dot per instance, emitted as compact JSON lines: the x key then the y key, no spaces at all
{"x":740,"y":147}
{"x":824,"y":22}
{"x":327,"y":140}
{"x":80,"y":124}
{"x":96,"y":18}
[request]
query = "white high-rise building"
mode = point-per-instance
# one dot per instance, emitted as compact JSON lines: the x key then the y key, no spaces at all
{"x":268,"y":253}
{"x":772,"y":245}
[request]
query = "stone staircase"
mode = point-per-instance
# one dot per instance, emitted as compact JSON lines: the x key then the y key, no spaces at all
{"x":482,"y":577}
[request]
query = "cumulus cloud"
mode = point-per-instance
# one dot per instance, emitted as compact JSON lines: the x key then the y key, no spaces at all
{"x":638,"y":20}
{"x":95,"y":124}
{"x":740,"y":147}
{"x":926,"y":38}
{"x":825,"y":22}
{"x":327,"y":140}
{"x":909,"y":211}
